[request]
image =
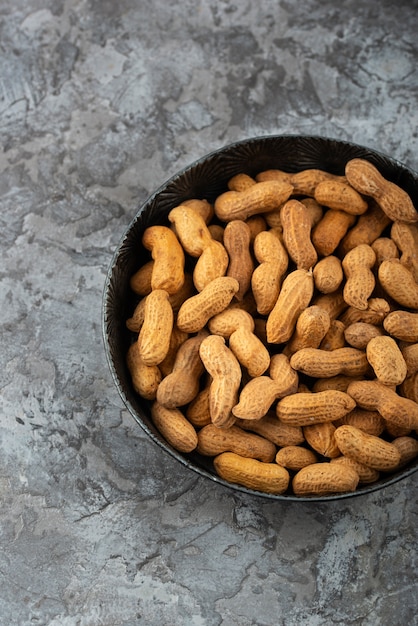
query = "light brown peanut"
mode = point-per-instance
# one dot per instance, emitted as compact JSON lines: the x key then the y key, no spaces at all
{"x":377,"y":310}
{"x":295,"y":457}
{"x":174,"y":427}
{"x":237,"y":238}
{"x":140,"y":282}
{"x":196,"y":311}
{"x":320,"y":479}
{"x":297,"y":225}
{"x":402,"y":325}
{"x":359,"y":334}
{"x":304,"y":409}
{"x":321,"y":438}
{"x":405,"y":237}
{"x":367,"y":229}
{"x":340,"y":196}
{"x":372,"y":395}
{"x":260,"y":198}
{"x":398,"y":281}
{"x":154,"y":336}
{"x":198,"y":411}
{"x":212,"y":263}
{"x":176,"y":339}
{"x":330,"y":230}
{"x":253,"y":474}
{"x":334,"y":338}
{"x":181,"y":386}
{"x":241,"y":182}
{"x":386,"y":359}
{"x":145,"y":378}
{"x":410,"y":354}
{"x":213,"y":441}
{"x":267,"y":277}
{"x":408,"y":449}
{"x":328,"y":274}
{"x":324,"y":364}
{"x":367,"y":449}
{"x":311,"y":327}
{"x":223,"y":367}
{"x":384,"y":248}
{"x":168,"y":255}
{"x":191,"y":229}
{"x":270,"y":427}
{"x":360,"y":280}
{"x":393,"y":200}
{"x":366,"y":474}
{"x":295,"y":295}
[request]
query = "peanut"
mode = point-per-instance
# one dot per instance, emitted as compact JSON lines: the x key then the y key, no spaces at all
{"x":324,"y":364}
{"x":273,"y":429}
{"x":386,"y":359}
{"x":405,"y":237}
{"x":367,"y":449}
{"x":320,"y":479}
{"x":359,"y":334}
{"x":295,"y":295}
{"x":198,"y":411}
{"x":212,"y":263}
{"x":174,"y":427}
{"x":304,"y":409}
{"x":168,"y":255}
{"x":191,"y":229}
{"x":377,"y":310}
{"x":237,"y":238}
{"x":393,"y":200}
{"x":366,"y":474}
{"x":223,"y":367}
{"x":398,"y":282}
{"x":340,"y":196}
{"x":402,"y":325}
{"x":267,"y":277}
{"x":145,"y":378}
{"x":311,"y":327}
{"x":181,"y":386}
{"x":407,"y":447}
{"x":328,"y":274}
{"x":195,"y":312}
{"x":372,"y":395}
{"x":410,"y":354}
{"x":334,"y":338}
{"x":154,"y":336}
{"x":260,"y":198}
{"x":295,"y":457}
{"x":330,"y":230}
{"x":241,"y":182}
{"x":367,"y":229}
{"x":213,"y":441}
{"x":360,"y":281}
{"x":250,"y":473}
{"x":321,"y":438}
{"x":140,"y":282}
{"x":384,"y":248}
{"x":297,"y":225}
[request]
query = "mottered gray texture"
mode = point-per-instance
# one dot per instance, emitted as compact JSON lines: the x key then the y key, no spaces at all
{"x":100,"y":103}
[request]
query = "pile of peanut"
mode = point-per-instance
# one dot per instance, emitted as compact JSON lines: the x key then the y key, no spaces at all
{"x":276,"y":329}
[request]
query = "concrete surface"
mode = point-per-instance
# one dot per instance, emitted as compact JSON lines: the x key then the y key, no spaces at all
{"x":100,"y":102}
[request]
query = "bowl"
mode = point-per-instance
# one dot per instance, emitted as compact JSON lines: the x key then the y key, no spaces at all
{"x":207,"y":178}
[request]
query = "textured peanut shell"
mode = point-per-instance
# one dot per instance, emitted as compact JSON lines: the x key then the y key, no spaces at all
{"x":274,"y":430}
{"x":360,"y":280}
{"x":250,"y":351}
{"x":366,"y":474}
{"x":213,"y":441}
{"x":212,"y":263}
{"x":405,"y":237}
{"x":168,"y":255}
{"x":174,"y":427}
{"x":253,"y":474}
{"x":340,"y":196}
{"x":145,"y":378}
{"x":155,"y":333}
{"x":372,"y":395}
{"x":237,"y":239}
{"x":297,"y":225}
{"x":407,"y":447}
{"x":386,"y":359}
{"x":321,"y":438}
{"x":267,"y":277}
{"x":394,"y":201}
{"x":369,"y":421}
{"x":195,"y":312}
{"x":295,"y":457}
{"x":328,"y":233}
{"x":320,"y":479}
{"x":359,"y":334}
{"x":256,"y":398}
{"x":398,"y":281}
{"x":191,"y":229}
{"x":295,"y":295}
{"x":328,"y":274}
{"x":367,"y":229}
{"x":303,"y":409}
{"x":325,"y":364}
{"x":372,"y":451}
{"x":402,"y":325}
{"x":311,"y":327}
{"x":260,"y":198}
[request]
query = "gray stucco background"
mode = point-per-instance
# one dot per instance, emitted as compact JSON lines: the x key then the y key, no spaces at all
{"x":100,"y":103}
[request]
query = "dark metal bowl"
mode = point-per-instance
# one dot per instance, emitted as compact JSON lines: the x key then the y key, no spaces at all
{"x":207,"y":178}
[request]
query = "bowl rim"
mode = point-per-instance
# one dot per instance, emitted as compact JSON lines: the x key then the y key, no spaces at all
{"x":365,"y":489}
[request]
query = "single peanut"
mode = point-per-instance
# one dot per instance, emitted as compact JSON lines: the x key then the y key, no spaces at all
{"x":328,"y":274}
{"x":195,"y":312}
{"x":267,"y":277}
{"x":324,"y":364}
{"x":410,"y":354}
{"x":176,"y":339}
{"x":252,"y":474}
{"x":145,"y":378}
{"x":398,"y":281}
{"x":203,"y":207}
{"x":334,"y":338}
{"x":237,"y":238}
{"x":140,"y":282}
{"x":241,"y":182}
{"x":384,"y":248}
{"x":367,"y":229}
{"x":359,"y":334}
{"x":386,"y":359}
{"x":181,"y":386}
{"x":295,"y":295}
{"x":212,"y":263}
{"x":174,"y":427}
{"x":405,"y":237}
{"x":377,"y":310}
{"x":402,"y":325}
{"x":311,"y":327}
{"x":198,"y":411}
{"x":260,"y":198}
{"x":168,"y":255}
{"x":304,"y":409}
{"x":339,"y":382}
{"x":393,"y":200}
{"x":321,"y":438}
{"x":320,"y":479}
{"x":367,"y":449}
{"x":330,"y":230}
{"x":372,"y":395}
{"x":360,"y":281}
{"x":154,"y":336}
{"x":271,"y":428}
{"x":223,"y":367}
{"x":295,"y":457}
{"x":213,"y":441}
{"x":408,"y":449}
{"x":297,"y":225}
{"x":191,"y":229}
{"x":366,"y":474}
{"x":340,"y":196}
